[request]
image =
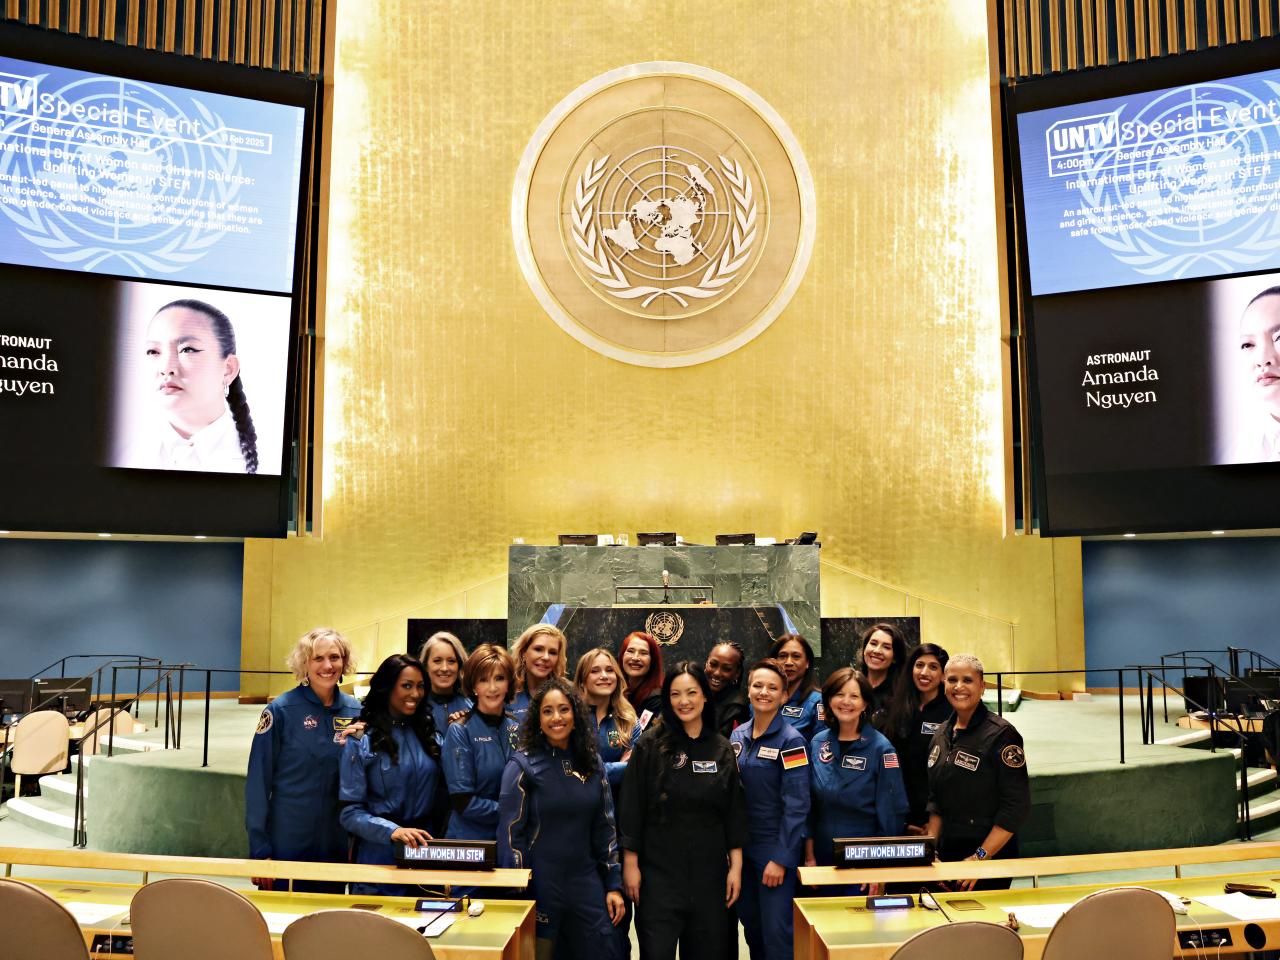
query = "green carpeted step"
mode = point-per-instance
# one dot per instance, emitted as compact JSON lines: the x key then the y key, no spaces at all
{"x":41,"y":813}
{"x":1264,"y":814}
{"x":60,"y":788}
{"x":1262,"y":782}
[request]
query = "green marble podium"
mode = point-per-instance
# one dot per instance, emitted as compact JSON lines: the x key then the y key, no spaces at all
{"x":782,"y":576}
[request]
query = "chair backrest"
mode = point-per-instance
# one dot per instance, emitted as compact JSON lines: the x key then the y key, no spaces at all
{"x":342,"y":934}
{"x":963,"y":941}
{"x":40,"y":743}
{"x":34,"y":926}
{"x":97,"y":726}
{"x":1130,"y":922}
{"x":196,"y":920}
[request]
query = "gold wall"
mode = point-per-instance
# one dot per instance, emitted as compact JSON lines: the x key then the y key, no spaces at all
{"x":458,"y":415}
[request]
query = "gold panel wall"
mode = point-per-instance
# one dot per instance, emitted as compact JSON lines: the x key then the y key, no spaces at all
{"x":458,"y":415}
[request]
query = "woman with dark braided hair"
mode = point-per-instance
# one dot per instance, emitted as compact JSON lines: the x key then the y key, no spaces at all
{"x":389,"y":783}
{"x":192,"y":348}
{"x":683,"y":826}
{"x":555,"y":817}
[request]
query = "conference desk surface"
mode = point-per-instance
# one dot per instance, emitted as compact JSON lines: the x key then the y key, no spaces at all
{"x":828,"y":928}
{"x":505,"y":931}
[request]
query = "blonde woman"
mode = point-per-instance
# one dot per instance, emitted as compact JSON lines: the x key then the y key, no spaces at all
{"x":598,"y":680}
{"x":291,"y":792}
{"x":443,"y":657}
{"x":539,"y":653}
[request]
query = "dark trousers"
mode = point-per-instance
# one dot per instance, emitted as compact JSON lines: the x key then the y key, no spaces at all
{"x":699,"y":924}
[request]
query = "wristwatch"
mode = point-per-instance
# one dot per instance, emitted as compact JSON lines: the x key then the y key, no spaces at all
{"x":980,"y":853}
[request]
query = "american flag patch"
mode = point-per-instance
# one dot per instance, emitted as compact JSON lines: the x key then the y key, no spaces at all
{"x":891,"y":761}
{"x":795,"y":757}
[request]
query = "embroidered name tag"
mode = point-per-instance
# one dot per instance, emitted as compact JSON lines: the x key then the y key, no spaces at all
{"x":484,"y":739}
{"x":966,"y":760}
{"x":854,"y":763}
{"x":929,"y":728}
{"x":704,"y":766}
{"x":792,"y":713}
{"x":767,"y":753}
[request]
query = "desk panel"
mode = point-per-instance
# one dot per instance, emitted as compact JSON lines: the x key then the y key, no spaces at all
{"x":828,"y":928}
{"x":505,"y":931}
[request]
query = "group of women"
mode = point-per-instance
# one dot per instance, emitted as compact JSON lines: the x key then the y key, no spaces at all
{"x":689,"y":796}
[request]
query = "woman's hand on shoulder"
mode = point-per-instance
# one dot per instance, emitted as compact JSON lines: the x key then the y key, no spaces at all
{"x":351,"y":730}
{"x":457,"y":715}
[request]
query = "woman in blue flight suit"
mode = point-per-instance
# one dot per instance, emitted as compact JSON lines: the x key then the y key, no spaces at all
{"x":555,"y":817}
{"x":682,"y":826}
{"x":539,"y":653}
{"x":598,"y":681}
{"x":774,"y":763}
{"x":442,"y":657}
{"x":291,"y":790}
{"x":391,"y":774}
{"x":803,"y":709}
{"x":477,"y":750}
{"x":855,"y":785}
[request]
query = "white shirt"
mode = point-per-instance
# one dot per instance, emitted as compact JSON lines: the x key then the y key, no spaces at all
{"x":212,"y":449}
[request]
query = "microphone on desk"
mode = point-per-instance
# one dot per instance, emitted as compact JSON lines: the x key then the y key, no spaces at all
{"x":937,"y":905}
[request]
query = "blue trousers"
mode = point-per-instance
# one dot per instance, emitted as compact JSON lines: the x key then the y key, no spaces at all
{"x":765,"y":913}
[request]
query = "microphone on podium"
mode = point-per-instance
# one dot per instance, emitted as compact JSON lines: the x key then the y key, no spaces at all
{"x":666,"y":586}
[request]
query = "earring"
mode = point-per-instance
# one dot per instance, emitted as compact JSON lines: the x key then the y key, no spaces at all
{"x":306,"y":681}
{"x":226,"y":390}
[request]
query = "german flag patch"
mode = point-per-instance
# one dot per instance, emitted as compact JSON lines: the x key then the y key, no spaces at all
{"x":795,"y":757}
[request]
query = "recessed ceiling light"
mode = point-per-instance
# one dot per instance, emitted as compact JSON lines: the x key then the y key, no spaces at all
{"x":1217,"y":533}
{"x":199,"y":536}
{"x":104,"y":534}
{"x":4,"y":533}
{"x":1130,"y":535}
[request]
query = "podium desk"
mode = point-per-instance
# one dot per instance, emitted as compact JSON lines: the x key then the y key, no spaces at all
{"x":505,"y":931}
{"x":827,"y":928}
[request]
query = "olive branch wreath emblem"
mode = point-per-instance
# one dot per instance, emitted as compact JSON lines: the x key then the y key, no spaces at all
{"x":606,"y":271}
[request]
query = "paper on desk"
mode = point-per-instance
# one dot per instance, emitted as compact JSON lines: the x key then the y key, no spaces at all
{"x":1040,"y":914}
{"x":435,"y":922}
{"x":1243,"y":907}
{"x":87,"y":914}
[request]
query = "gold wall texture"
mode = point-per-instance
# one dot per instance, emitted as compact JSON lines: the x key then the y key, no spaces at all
{"x":458,"y":415}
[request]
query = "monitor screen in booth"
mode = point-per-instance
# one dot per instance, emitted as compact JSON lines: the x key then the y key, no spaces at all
{"x":1148,"y":216}
{"x":151,"y":210}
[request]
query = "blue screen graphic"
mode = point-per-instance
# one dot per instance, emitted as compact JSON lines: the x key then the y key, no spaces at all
{"x":114,"y":176}
{"x":1170,"y":184}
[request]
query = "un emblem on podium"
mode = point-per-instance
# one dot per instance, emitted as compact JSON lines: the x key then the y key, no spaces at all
{"x":664,"y":626}
{"x":663,"y":214}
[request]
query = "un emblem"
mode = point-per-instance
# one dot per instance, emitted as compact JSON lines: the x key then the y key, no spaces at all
{"x":663,"y":214}
{"x":664,"y":626}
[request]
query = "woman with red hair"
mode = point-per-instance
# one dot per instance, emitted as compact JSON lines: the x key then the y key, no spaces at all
{"x":641,"y":660}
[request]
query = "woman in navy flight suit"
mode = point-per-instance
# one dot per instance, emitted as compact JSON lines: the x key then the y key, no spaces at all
{"x":443,"y":656}
{"x":555,"y":817}
{"x":598,"y":681}
{"x":803,"y":709}
{"x":291,"y":790}
{"x":540,"y":652}
{"x":477,"y":750}
{"x":774,"y":763}
{"x":682,"y":827}
{"x":391,"y":774}
{"x":855,"y":785}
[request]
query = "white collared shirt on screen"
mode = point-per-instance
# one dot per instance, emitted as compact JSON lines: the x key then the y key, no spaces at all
{"x":214,"y":449}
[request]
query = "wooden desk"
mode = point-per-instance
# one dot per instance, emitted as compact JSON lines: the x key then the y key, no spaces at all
{"x":835,"y":927}
{"x":1227,"y":723}
{"x":505,"y":931}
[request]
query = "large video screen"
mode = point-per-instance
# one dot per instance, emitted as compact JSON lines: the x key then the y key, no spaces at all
{"x":1149,"y":215}
{"x":150,"y":216}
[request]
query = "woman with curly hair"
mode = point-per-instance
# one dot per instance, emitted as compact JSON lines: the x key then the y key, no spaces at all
{"x":390,"y":776}
{"x":555,"y":817}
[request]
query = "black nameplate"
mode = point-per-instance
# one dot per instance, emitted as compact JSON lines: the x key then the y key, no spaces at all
{"x":448,"y":855}
{"x":884,"y":851}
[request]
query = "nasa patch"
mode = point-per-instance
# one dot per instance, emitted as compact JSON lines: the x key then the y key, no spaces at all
{"x":793,"y":713}
{"x":310,"y":723}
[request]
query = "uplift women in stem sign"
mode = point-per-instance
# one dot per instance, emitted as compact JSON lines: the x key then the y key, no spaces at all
{"x":200,"y":380}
